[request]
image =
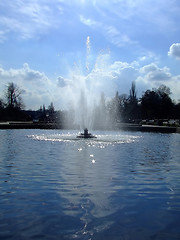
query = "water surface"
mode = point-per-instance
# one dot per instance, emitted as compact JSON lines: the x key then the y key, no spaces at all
{"x":122,"y":185}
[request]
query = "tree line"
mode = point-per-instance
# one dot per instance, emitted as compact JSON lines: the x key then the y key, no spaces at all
{"x":153,"y":104}
{"x":12,"y":107}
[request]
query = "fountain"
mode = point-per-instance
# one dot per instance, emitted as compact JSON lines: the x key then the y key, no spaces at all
{"x":90,"y":105}
{"x":86,"y":134}
{"x":85,"y":87}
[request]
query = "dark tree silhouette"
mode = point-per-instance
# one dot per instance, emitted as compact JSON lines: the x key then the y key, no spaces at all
{"x":133,"y":93}
{"x":51,"y":112}
{"x":157,"y":103}
{"x":13,"y":96}
{"x":12,"y":109}
{"x":176,"y":111}
{"x":123,"y":103}
{"x":1,"y":104}
{"x":132,"y":106}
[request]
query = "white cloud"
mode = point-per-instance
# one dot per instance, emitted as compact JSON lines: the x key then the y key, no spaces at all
{"x":89,"y":22}
{"x":24,"y":74}
{"x":61,"y":82}
{"x":111,"y":33}
{"x":174,"y":50}
{"x":154,"y":73}
{"x":149,"y":68}
{"x":116,"y":37}
{"x":33,"y":75}
{"x":2,"y":36}
{"x":148,"y":56}
{"x":38,"y":87}
{"x":109,"y":77}
{"x":106,"y":76}
{"x":159,"y":15}
{"x":28,"y":18}
{"x":152,"y":76}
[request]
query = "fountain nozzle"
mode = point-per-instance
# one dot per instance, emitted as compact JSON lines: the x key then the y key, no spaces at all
{"x":86,"y":134}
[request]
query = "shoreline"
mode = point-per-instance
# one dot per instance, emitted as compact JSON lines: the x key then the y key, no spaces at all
{"x":29,"y":125}
{"x":123,"y":126}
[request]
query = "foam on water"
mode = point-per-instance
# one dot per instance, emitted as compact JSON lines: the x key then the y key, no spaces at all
{"x":101,"y":139}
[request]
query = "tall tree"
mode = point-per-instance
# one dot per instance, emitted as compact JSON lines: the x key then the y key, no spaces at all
{"x":51,"y":108}
{"x":13,"y":96}
{"x":133,"y":93}
{"x":150,"y":103}
{"x":157,"y":103}
{"x":167,"y":105}
{"x":1,"y":104}
{"x":51,"y":111}
{"x":123,"y":105}
{"x":132,"y":108}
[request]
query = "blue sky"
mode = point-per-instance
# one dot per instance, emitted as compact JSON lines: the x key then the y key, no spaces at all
{"x":44,"y":48}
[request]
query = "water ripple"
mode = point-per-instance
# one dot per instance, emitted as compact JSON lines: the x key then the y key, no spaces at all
{"x":119,"y":186}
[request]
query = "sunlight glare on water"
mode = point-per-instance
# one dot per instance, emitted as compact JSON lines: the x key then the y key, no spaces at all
{"x":101,"y":140}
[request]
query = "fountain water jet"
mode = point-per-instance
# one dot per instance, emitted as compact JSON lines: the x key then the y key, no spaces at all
{"x":86,"y":91}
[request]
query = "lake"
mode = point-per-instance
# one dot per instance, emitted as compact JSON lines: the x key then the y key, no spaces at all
{"x":121,"y":185}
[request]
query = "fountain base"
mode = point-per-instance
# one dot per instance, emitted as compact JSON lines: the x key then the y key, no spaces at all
{"x":86,"y":134}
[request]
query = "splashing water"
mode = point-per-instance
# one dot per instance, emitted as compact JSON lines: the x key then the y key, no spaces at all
{"x":85,"y":92}
{"x":88,"y":52}
{"x":103,"y":140}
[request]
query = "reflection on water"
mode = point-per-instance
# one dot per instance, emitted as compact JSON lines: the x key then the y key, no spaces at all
{"x":120,"y":185}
